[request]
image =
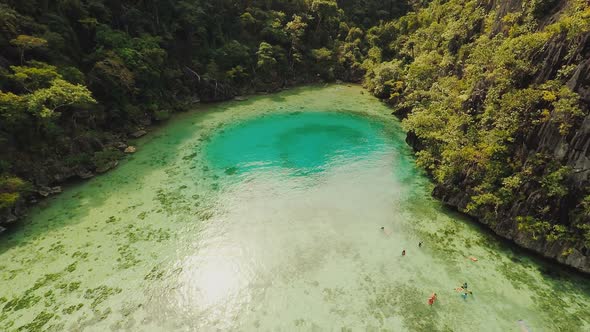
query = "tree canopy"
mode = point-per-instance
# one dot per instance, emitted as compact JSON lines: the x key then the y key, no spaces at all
{"x":473,"y":82}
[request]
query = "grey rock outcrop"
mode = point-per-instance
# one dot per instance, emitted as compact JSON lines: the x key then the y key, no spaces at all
{"x":138,"y":133}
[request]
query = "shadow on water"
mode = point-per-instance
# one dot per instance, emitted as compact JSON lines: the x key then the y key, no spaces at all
{"x":528,"y":258}
{"x":278,"y":97}
{"x":80,"y":198}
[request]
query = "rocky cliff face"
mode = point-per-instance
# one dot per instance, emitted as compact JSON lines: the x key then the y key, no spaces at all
{"x":572,"y":150}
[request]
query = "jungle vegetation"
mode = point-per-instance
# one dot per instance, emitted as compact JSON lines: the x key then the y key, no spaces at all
{"x":77,"y":75}
{"x":475,"y":84}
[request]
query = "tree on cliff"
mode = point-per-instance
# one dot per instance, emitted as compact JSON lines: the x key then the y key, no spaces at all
{"x":25,"y":43}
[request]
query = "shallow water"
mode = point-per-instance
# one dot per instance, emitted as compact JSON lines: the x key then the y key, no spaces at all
{"x":266,"y":215}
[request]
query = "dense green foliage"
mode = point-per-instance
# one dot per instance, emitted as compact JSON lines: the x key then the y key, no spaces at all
{"x":77,"y":75}
{"x":468,"y":81}
{"x":473,"y":80}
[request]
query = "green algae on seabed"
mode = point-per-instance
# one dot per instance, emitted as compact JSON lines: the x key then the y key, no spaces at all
{"x":265,"y":214}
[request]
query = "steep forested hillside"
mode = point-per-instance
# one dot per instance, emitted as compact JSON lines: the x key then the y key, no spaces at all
{"x":495,"y":96}
{"x":77,"y":76}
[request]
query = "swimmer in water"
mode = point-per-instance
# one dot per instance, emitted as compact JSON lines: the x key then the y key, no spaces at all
{"x":404,"y":252}
{"x":464,"y":285}
{"x":386,"y":232}
{"x":420,"y":244}
{"x":431,"y":299}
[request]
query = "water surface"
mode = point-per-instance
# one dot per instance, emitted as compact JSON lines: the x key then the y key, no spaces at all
{"x":266,"y":215}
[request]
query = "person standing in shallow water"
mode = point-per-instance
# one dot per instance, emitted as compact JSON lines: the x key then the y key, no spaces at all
{"x":404,"y":252}
{"x":420,"y":244}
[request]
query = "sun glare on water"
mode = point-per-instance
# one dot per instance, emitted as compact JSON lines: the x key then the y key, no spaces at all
{"x":215,"y":277}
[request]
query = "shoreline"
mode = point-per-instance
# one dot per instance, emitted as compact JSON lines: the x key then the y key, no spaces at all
{"x":11,"y":217}
{"x":150,"y":130}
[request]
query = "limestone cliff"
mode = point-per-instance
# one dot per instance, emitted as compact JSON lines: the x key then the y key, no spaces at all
{"x":571,"y":150}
